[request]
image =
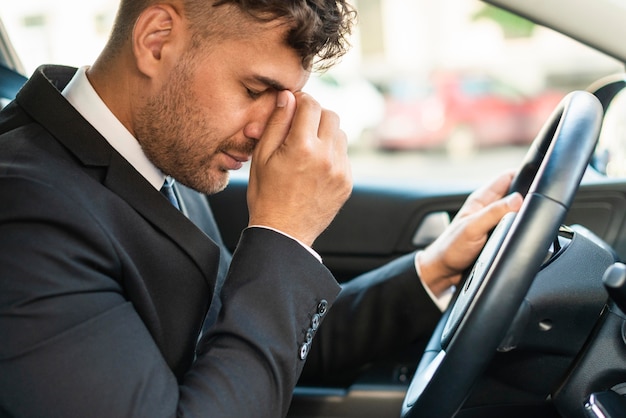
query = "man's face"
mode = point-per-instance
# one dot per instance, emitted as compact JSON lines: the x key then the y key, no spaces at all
{"x":213,"y":107}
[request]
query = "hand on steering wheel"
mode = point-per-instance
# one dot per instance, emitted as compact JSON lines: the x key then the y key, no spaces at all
{"x":442,"y":262}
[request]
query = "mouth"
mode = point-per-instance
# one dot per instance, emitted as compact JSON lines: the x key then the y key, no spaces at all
{"x":235,"y":161}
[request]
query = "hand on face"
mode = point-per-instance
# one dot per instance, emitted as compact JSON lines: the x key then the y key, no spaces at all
{"x":443,"y":262}
{"x":300,"y":174}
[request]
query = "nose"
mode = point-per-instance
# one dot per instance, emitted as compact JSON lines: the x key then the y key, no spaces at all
{"x":254,"y":130}
{"x":258,"y":117}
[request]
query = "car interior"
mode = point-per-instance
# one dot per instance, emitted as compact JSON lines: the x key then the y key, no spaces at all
{"x":538,"y":325}
{"x":564,"y":302}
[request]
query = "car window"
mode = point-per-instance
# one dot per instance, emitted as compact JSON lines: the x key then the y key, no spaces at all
{"x":435,"y":92}
{"x":610,"y":157}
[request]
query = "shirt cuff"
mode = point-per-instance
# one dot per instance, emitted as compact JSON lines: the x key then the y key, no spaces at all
{"x":444,"y":299}
{"x":309,"y":249}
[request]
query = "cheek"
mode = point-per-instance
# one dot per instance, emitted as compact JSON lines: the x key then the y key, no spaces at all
{"x":223,"y":116}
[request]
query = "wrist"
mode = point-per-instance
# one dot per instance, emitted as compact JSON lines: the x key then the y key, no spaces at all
{"x":433,"y":275}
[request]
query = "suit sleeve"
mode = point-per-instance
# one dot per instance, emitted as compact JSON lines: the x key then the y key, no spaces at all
{"x":376,"y":316}
{"x":74,"y":346}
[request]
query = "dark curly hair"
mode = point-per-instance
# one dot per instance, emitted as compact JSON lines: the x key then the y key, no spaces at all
{"x":318,"y":29}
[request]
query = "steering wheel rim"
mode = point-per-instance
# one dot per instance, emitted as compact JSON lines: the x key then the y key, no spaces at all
{"x":489,"y":297}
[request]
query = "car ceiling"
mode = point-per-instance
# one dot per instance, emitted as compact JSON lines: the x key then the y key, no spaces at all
{"x":596,"y":23}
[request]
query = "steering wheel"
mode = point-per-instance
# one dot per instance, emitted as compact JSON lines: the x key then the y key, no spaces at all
{"x":491,"y":293}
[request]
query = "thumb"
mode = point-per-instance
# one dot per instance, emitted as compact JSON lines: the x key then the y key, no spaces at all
{"x":277,"y":127}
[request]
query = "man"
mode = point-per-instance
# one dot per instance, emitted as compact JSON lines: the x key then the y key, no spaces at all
{"x":106,"y":285}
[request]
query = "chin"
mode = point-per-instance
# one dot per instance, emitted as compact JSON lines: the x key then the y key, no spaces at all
{"x":216,"y":183}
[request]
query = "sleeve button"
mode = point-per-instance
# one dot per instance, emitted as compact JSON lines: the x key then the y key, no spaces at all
{"x":304,"y":351}
{"x":315,"y":322}
{"x":322,"y":307}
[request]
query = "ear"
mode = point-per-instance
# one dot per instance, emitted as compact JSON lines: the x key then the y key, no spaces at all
{"x":156,"y":39}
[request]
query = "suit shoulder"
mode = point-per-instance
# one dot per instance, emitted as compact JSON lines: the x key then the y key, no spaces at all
{"x":12,"y":117}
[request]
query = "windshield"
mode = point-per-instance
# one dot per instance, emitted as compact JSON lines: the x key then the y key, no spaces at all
{"x":439,"y":91}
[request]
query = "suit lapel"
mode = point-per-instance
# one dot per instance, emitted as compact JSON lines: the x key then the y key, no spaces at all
{"x":41,"y":93}
{"x":150,"y":203}
{"x":200,"y":213}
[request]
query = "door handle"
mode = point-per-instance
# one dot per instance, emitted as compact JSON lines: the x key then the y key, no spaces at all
{"x":432,"y":225}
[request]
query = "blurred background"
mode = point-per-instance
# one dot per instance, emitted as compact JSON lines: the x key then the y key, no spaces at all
{"x":432,"y":91}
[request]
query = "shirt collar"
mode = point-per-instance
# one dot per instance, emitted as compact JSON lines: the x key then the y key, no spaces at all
{"x":81,"y":94}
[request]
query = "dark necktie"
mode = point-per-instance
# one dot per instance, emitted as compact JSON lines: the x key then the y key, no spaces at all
{"x":168,"y":191}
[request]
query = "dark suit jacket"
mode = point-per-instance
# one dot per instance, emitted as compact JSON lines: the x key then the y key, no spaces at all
{"x":104,"y":288}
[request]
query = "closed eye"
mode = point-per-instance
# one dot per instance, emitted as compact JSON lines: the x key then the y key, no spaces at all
{"x":253,"y":94}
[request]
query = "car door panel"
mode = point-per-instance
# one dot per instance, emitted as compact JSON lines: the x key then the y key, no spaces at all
{"x":379,"y":224}
{"x":375,"y":225}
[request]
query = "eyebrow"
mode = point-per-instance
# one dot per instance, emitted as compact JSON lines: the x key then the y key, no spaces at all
{"x":270,"y":82}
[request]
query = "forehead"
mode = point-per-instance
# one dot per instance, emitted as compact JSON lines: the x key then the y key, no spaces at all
{"x":257,"y":49}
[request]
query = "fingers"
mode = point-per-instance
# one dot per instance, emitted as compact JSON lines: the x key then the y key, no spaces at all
{"x":292,"y":122}
{"x":329,"y":124}
{"x":277,"y":127}
{"x":487,"y":194}
{"x":307,"y":118}
{"x":311,"y":117}
{"x":495,"y":189}
{"x":487,"y":218}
